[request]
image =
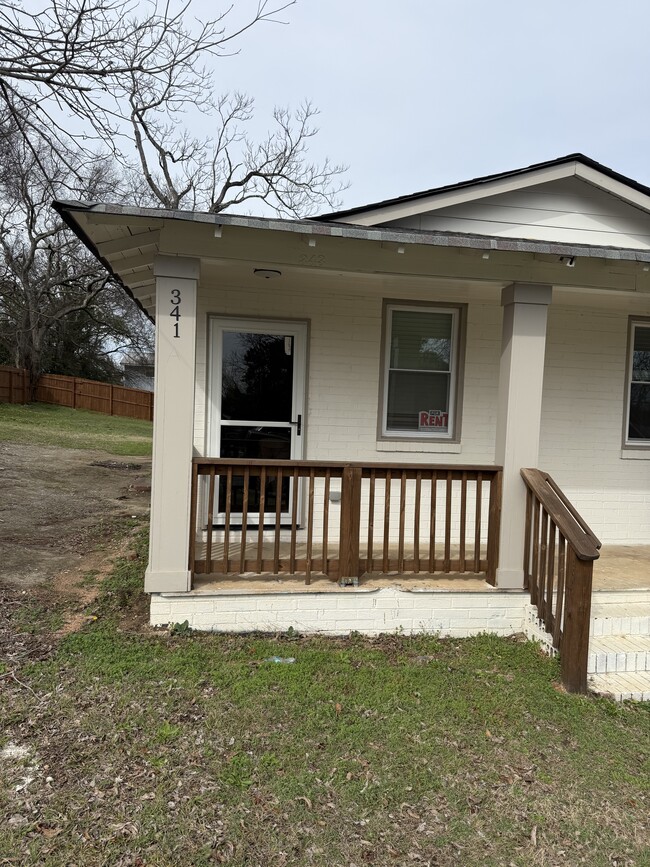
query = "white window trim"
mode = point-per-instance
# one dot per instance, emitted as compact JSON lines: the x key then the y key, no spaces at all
{"x":454,"y":372}
{"x":627,"y":442}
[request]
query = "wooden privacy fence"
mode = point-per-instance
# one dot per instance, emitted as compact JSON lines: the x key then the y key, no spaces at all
{"x":343,"y":520}
{"x":77,"y":393}
{"x":559,"y":554}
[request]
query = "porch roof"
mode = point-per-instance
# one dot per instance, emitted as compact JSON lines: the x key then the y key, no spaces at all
{"x":126,"y":239}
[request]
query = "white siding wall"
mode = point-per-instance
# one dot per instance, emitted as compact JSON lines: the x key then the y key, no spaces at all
{"x":582,"y":409}
{"x":569,"y":211}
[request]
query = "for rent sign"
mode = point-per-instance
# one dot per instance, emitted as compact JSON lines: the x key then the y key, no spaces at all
{"x":432,"y":418}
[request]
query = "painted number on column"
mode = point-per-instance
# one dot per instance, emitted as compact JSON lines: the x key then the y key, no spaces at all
{"x":175,"y":301}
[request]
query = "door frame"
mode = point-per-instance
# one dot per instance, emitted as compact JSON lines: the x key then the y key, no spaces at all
{"x":296,"y":328}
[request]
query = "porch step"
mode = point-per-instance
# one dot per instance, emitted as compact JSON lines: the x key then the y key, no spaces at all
{"x":610,"y":654}
{"x":619,"y":647}
{"x":622,"y":686}
{"x":620,"y":618}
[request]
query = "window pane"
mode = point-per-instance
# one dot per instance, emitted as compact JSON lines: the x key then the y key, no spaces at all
{"x":420,"y":341}
{"x":641,"y":357}
{"x":257,"y":377}
{"x":273,"y":443}
{"x":411,"y":394}
{"x":639,"y":428}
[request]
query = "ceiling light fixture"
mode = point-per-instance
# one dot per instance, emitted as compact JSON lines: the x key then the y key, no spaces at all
{"x":267,"y":273}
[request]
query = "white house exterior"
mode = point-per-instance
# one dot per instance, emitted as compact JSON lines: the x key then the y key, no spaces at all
{"x":503,"y":322}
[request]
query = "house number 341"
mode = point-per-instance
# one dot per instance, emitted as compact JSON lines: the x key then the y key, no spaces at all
{"x":175,"y":301}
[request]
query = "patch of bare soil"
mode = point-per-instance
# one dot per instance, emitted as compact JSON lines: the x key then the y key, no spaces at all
{"x":61,"y":511}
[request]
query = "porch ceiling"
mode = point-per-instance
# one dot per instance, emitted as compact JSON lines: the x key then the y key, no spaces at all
{"x":127,"y":239}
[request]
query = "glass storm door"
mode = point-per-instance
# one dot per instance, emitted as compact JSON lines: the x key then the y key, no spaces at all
{"x":258,"y":395}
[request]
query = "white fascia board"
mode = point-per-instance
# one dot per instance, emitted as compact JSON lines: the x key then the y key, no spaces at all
{"x":459,"y":197}
{"x":616,"y":188}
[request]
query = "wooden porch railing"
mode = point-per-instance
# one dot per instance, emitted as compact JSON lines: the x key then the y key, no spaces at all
{"x":559,"y":551}
{"x":280,"y":517}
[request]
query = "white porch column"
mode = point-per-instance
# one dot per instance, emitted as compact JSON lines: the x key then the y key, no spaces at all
{"x":173,"y":424}
{"x":521,"y":378}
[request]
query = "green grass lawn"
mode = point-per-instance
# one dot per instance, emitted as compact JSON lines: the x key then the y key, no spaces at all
{"x":44,"y":424}
{"x":186,"y":749}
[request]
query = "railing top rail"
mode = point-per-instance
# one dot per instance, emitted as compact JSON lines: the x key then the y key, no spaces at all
{"x":201,"y":462}
{"x":568,"y":521}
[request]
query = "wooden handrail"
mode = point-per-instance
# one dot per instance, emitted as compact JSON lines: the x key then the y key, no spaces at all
{"x":559,"y":551}
{"x":456,"y":469}
{"x":572,"y":526}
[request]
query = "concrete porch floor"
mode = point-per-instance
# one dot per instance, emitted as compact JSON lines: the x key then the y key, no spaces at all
{"x":620,"y":567}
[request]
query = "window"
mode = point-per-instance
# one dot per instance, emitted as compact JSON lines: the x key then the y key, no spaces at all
{"x":638,"y":394}
{"x":421,"y":354}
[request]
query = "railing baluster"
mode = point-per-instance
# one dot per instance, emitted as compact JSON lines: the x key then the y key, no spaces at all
{"x":402,"y":521}
{"x":294,"y":523}
{"x":371,"y":519}
{"x":559,"y":607}
{"x":260,"y":529}
{"x":527,"y":535}
{"x":326,"y":514}
{"x":416,"y":523}
{"x":463,"y":522}
{"x":550,"y":572}
{"x":448,"y":493}
{"x":208,"y":546}
{"x":541,"y":577}
{"x":432,"y":522}
{"x":244,"y":521}
{"x":226,"y":530}
{"x":386,"y":521}
{"x":477,"y":524}
{"x":310,"y":527}
{"x":533,"y":577}
{"x":278,"y":519}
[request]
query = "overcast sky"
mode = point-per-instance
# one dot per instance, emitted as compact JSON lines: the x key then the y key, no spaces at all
{"x":418,"y":93}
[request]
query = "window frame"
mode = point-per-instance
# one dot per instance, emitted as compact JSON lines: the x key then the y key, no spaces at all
{"x":456,"y":371}
{"x":634,"y":323}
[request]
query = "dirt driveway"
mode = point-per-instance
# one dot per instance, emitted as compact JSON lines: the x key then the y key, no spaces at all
{"x":60,"y":510}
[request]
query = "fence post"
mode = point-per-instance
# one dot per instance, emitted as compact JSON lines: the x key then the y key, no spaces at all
{"x":574,"y":647}
{"x":350,"y":522}
{"x":11,"y":386}
{"x":111,"y":400}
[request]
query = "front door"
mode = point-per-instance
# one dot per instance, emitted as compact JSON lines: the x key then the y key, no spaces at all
{"x":258,"y":404}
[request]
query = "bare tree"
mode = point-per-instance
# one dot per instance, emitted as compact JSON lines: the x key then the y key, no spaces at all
{"x":229,"y":169}
{"x":58,"y":307}
{"x":76,"y":58}
{"x":84,"y":73}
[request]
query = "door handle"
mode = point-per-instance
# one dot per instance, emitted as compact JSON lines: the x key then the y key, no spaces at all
{"x":298,"y":425}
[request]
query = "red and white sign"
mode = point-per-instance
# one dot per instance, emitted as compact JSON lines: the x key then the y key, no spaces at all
{"x":432,"y":418}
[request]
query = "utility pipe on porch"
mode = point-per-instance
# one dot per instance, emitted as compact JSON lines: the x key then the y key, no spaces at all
{"x":519,"y":415}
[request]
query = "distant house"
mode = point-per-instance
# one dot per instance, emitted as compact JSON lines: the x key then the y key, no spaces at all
{"x":353,"y":398}
{"x":138,"y":373}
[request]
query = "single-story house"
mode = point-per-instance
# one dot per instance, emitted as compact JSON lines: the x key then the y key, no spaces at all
{"x":344,"y":405}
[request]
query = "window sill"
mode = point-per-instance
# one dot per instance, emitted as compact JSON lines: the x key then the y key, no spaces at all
{"x":636,"y":454}
{"x":424,"y":447}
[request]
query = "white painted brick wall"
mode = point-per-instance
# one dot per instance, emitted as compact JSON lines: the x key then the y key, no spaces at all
{"x":584,"y":389}
{"x":583,"y":393}
{"x":338,"y":613}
